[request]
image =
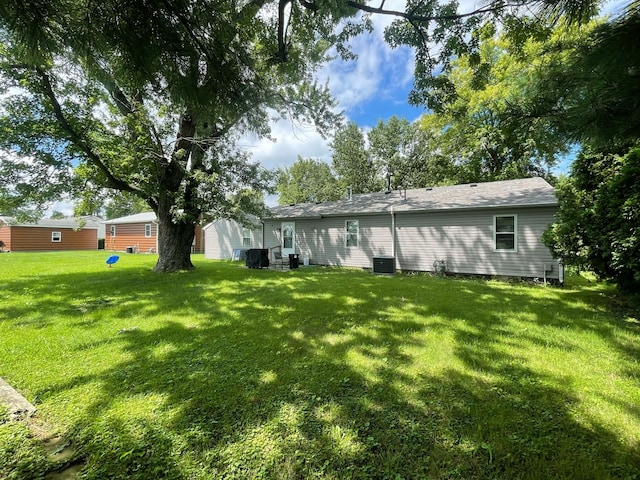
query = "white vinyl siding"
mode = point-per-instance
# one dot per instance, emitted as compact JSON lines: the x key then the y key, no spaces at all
{"x":56,"y":237}
{"x":463,"y":238}
{"x":222,"y":237}
{"x":324,"y":241}
{"x":466,"y":241}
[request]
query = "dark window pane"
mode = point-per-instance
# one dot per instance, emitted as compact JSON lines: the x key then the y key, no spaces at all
{"x":505,"y":241}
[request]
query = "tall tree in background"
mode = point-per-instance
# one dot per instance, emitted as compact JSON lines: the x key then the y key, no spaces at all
{"x":593,"y":96}
{"x":307,"y":180}
{"x":476,"y":127}
{"x":352,"y":163}
{"x":406,"y":155}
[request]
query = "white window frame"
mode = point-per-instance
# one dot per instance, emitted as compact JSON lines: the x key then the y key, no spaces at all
{"x":147,"y":230}
{"x":112,"y":230}
{"x":514,"y":233}
{"x":246,"y":237}
{"x":347,"y":235}
{"x":56,"y":237}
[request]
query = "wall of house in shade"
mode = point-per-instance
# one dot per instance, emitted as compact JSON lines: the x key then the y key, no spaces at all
{"x":224,"y":236}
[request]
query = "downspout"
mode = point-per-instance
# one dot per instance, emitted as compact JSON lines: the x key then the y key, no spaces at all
{"x":263,"y":244}
{"x":393,"y":233}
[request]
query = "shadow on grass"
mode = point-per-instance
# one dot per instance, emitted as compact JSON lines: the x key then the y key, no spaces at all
{"x":257,"y":374}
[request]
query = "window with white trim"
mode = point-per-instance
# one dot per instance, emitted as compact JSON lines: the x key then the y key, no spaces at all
{"x":56,"y":237}
{"x":113,"y":230}
{"x":147,"y":230}
{"x":246,"y":237}
{"x":505,"y":233}
{"x":352,"y":230}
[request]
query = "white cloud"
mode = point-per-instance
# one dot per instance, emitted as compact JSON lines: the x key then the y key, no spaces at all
{"x":289,"y":142}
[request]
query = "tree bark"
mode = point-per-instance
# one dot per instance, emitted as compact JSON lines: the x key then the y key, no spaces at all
{"x":175,"y":241}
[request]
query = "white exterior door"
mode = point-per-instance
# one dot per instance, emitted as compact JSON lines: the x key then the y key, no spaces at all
{"x":288,"y":238}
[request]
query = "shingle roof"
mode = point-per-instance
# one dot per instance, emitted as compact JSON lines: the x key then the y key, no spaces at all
{"x":51,"y":223}
{"x":145,"y":217}
{"x":526,"y":192}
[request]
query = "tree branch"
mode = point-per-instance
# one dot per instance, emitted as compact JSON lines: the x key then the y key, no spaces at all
{"x":74,"y":137}
{"x":412,"y":17}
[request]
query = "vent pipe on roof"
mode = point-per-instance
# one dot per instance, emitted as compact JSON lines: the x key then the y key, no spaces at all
{"x":349,"y":193}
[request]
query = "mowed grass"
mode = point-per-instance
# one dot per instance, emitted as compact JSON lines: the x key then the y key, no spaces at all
{"x":329,"y":373}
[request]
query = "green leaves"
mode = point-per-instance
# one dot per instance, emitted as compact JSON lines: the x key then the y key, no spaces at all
{"x":598,"y":224}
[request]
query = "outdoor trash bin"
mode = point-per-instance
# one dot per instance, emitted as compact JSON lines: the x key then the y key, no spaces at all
{"x":294,"y":260}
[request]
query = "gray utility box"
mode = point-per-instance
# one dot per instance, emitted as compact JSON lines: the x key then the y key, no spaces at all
{"x":384,"y":265}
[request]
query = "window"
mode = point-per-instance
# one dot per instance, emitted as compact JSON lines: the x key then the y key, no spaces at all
{"x":352,"y":230}
{"x":113,"y":230}
{"x":505,"y":232}
{"x":147,"y":230}
{"x":56,"y":237}
{"x":246,"y":237}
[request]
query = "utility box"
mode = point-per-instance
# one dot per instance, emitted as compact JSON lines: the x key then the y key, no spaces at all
{"x":384,"y":265}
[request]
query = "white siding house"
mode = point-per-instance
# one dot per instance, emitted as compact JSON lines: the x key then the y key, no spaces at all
{"x":222,"y":237}
{"x":492,"y":228}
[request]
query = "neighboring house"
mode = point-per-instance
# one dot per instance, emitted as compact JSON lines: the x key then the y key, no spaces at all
{"x":224,"y":238}
{"x":490,"y":228}
{"x":48,"y":234}
{"x":139,"y":233}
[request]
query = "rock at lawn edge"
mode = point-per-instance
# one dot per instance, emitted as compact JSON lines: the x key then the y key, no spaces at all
{"x":18,"y":406}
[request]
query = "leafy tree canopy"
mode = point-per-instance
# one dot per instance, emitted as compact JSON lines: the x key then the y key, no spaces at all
{"x":307,"y":180}
{"x":598,"y":223}
{"x":352,"y":163}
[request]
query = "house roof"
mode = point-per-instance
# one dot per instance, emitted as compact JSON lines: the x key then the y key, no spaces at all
{"x":52,"y":223}
{"x":528,"y":192}
{"x":145,"y":217}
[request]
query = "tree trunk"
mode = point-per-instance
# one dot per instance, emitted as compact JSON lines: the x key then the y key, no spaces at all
{"x":174,"y":244}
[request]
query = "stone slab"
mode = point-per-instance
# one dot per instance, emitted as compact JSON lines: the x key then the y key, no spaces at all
{"x":17,"y":405}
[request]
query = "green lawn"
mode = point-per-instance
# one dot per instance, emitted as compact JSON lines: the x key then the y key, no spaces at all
{"x":226,"y":372}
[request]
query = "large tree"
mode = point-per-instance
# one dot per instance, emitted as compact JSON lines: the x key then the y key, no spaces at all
{"x":475,"y":125}
{"x":150,"y":102}
{"x":147,"y":97}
